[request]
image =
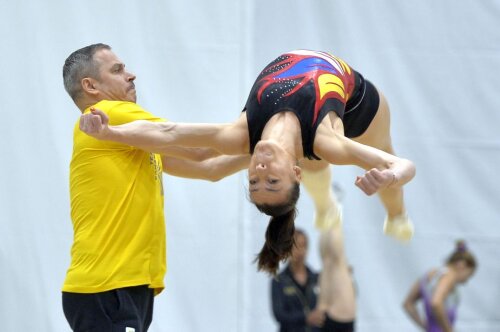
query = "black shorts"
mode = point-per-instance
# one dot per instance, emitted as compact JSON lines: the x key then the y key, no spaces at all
{"x":361,"y":108}
{"x":336,"y":326}
{"x":127,"y":309}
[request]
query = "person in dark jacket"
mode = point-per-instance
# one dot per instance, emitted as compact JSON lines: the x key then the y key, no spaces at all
{"x":294,"y":292}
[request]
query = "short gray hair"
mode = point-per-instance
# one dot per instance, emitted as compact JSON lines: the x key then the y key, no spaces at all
{"x":78,"y":65}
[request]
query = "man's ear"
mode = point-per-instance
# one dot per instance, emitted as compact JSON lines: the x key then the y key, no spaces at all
{"x":298,"y":172}
{"x":88,"y":86}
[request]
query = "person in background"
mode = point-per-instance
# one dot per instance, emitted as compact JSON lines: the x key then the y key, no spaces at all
{"x":294,"y":292}
{"x":337,"y":295}
{"x":299,"y":304}
{"x":437,"y":289}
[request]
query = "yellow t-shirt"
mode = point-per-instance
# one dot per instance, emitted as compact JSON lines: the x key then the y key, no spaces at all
{"x":117,"y":210}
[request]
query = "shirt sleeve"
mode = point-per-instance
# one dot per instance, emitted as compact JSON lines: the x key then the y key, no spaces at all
{"x":126,"y":112}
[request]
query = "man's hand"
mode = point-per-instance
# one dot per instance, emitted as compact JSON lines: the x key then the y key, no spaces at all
{"x":95,"y":124}
{"x":374,"y":180}
{"x":316,"y":318}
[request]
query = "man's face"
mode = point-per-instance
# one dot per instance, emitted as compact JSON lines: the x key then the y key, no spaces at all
{"x":114,"y":82}
{"x":299,"y":251}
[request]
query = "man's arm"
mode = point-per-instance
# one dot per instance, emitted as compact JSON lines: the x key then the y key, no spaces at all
{"x":410,"y":305}
{"x":212,"y":169}
{"x":156,"y":136}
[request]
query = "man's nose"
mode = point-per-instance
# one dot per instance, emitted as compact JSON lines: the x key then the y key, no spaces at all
{"x":131,"y":77}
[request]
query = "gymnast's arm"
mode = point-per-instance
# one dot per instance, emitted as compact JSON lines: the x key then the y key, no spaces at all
{"x":410,"y":305}
{"x":194,"y":154}
{"x":211,"y":169}
{"x":382,"y":169}
{"x":443,"y":288}
{"x":156,"y":136}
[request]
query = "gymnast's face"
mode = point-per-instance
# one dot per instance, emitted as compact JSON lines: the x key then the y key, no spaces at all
{"x":114,"y":82}
{"x":464,"y":272}
{"x":271,"y":174}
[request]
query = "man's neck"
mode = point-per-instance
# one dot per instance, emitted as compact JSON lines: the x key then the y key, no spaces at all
{"x":298,"y":267}
{"x":84,"y":104}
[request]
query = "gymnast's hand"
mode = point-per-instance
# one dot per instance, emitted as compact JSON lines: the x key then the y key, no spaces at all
{"x":95,"y":123}
{"x":375,"y":179}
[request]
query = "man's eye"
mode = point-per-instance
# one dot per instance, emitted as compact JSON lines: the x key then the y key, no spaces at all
{"x":273,"y":181}
{"x":252,"y":181}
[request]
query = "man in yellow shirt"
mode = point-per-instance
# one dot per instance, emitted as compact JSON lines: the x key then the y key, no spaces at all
{"x":118,"y":257}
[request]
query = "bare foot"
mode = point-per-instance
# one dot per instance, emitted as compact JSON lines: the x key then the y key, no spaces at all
{"x":399,"y":227}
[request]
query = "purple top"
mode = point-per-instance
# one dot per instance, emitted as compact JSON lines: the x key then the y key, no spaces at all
{"x":427,"y":287}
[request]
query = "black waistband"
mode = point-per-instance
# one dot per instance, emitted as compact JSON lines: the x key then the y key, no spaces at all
{"x":358,"y":94}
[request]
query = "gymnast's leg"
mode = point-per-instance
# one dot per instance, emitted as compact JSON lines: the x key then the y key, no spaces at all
{"x":337,"y":295}
{"x":378,"y":135}
{"x":316,"y":179}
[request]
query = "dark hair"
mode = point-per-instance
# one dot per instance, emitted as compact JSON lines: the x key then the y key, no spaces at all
{"x":462,"y":253}
{"x":280,"y":232}
{"x":78,"y":65}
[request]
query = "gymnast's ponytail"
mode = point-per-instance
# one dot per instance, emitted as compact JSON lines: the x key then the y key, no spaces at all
{"x":279,"y":234}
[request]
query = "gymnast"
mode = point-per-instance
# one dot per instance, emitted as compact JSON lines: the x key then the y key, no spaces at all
{"x":437,"y":289}
{"x":305,"y":111}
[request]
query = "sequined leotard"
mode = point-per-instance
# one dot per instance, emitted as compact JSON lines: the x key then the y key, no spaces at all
{"x":309,"y":84}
